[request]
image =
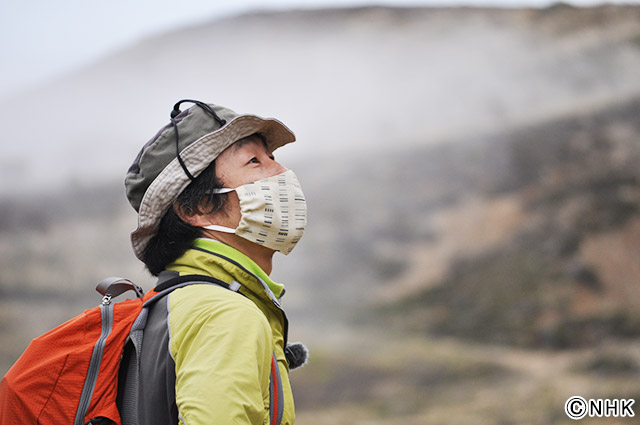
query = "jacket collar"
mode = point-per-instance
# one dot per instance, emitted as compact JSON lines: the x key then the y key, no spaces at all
{"x":212,"y":258}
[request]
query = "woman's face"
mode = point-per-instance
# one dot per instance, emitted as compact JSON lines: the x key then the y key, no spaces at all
{"x":246,"y":161}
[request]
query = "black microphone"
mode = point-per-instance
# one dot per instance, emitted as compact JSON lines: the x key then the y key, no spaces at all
{"x":297,"y":354}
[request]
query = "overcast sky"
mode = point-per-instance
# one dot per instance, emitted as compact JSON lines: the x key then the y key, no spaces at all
{"x":40,"y":39}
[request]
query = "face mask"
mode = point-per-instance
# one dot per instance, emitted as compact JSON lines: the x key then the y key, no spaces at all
{"x":273,"y":212}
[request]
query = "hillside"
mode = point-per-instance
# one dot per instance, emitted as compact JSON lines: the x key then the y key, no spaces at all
{"x":548,"y":236}
{"x":484,"y":283}
{"x":343,"y":79}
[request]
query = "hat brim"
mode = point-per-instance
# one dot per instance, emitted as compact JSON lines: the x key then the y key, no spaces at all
{"x":172,"y":180}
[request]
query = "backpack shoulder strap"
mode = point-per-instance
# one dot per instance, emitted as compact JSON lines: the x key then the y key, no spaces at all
{"x":169,"y":281}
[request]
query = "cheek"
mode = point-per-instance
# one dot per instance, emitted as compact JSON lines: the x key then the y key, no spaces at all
{"x":228,"y":172}
{"x":232,"y":209}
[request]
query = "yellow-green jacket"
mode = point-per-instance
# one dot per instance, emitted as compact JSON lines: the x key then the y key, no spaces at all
{"x":207,"y":352}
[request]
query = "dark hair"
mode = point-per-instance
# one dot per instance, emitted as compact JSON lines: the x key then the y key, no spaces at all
{"x":174,"y":236}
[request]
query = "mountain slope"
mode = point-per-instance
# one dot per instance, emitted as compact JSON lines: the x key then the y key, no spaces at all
{"x":343,"y":79}
{"x":566,"y":273}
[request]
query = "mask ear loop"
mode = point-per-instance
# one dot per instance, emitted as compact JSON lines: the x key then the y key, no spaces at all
{"x":220,"y":191}
{"x":175,"y":112}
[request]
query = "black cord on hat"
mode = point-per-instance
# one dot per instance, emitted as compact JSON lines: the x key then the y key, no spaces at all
{"x":209,"y":109}
{"x":182,"y":164}
{"x":175,"y":112}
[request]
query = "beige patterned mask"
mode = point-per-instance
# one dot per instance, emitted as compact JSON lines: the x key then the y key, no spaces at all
{"x":273,"y":212}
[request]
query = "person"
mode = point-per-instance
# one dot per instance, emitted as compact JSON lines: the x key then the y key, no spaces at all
{"x":213,"y":205}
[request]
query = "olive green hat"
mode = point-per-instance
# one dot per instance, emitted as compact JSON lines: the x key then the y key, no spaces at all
{"x":180,"y":151}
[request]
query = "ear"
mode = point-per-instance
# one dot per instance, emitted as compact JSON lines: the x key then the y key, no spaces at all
{"x":191,"y":217}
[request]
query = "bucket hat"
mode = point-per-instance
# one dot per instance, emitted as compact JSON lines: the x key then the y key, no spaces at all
{"x":180,"y":151}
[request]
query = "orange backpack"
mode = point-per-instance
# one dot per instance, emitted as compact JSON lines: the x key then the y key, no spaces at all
{"x":69,"y":376}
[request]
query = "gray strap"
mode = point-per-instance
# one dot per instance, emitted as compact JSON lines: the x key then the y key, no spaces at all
{"x":129,"y":410}
{"x":129,"y":405}
{"x":115,"y":286}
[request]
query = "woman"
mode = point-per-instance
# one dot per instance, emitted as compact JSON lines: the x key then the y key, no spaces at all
{"x":213,"y":206}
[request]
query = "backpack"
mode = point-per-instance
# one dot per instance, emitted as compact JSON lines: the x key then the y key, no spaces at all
{"x":69,"y":376}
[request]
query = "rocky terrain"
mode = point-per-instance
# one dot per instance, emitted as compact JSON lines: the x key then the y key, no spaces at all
{"x":551,"y":257}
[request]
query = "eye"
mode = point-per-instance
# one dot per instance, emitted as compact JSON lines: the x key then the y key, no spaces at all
{"x":254,"y":160}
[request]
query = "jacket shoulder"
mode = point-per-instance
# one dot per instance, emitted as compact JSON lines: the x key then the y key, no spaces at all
{"x":214,"y":301}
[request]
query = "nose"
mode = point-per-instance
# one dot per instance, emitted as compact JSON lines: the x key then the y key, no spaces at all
{"x":276,"y":168}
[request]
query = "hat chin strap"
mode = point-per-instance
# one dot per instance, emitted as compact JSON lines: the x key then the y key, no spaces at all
{"x":219,"y":228}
